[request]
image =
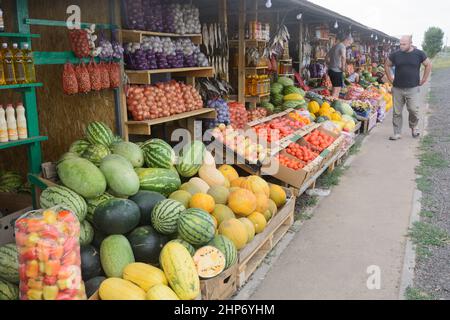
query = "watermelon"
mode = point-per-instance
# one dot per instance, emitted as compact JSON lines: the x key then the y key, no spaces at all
{"x":98,"y":238}
{"x":120,"y":175}
{"x":285,"y":82}
{"x":9,"y":263}
{"x":191,"y":159}
{"x":129,"y":151}
{"x":79,"y":146}
{"x":99,"y":133}
{"x":60,"y":195}
{"x":95,"y":153}
{"x":164,"y":181}
{"x":115,"y":255}
{"x":227,"y":247}
{"x":8,"y":291}
{"x":92,"y":285}
{"x":92,"y":204}
{"x":158,"y":154}
{"x":146,"y":201}
{"x":293,"y":90}
{"x":165,"y":216}
{"x":11,"y":181}
{"x":86,"y":233}
{"x":83,"y":177}
{"x":186,"y":244}
{"x":117,"y":216}
{"x":196,"y":226}
{"x":277,"y":99}
{"x":90,"y":262}
{"x":67,"y":156}
{"x":209,"y":261}
{"x":147,"y":244}
{"x":276,"y":88}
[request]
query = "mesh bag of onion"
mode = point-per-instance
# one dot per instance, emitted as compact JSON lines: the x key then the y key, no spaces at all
{"x":153,"y":12}
{"x":95,"y":75}
{"x":69,"y":79}
{"x":79,"y":43}
{"x":104,"y":75}
{"x":83,"y":78}
{"x":134,"y":16}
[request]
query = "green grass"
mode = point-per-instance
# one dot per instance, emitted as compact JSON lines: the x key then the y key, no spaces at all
{"x":424,"y":184}
{"x":417,"y":294}
{"x":355,"y":149}
{"x":332,"y":179}
{"x":441,"y":61}
{"x":426,"y":214}
{"x":305,"y":202}
{"x":425,"y":236}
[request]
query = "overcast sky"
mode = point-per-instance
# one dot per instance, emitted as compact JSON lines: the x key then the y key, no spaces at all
{"x":396,"y":17}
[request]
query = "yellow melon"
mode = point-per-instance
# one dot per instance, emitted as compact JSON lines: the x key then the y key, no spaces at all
{"x":237,"y":183}
{"x":220,"y":194}
{"x":229,"y":172}
{"x":250,"y":228}
{"x":256,"y":185}
{"x":202,"y":201}
{"x":236,"y":231}
{"x":268,"y":215}
{"x":181,"y":196}
{"x":273,"y":207}
{"x":242,"y":202}
{"x":278,"y":195}
{"x":222,"y":213}
{"x":258,"y":221}
{"x":262,"y":202}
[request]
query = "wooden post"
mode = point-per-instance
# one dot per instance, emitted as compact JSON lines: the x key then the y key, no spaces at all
{"x":241,"y":64}
{"x":223,"y":19}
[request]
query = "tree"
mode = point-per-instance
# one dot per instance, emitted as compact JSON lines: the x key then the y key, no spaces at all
{"x":434,"y":41}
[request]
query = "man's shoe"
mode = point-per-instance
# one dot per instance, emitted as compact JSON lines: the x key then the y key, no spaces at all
{"x":415,"y":133}
{"x":395,"y":137}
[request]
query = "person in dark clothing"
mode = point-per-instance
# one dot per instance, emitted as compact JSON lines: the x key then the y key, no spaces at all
{"x":336,"y":60}
{"x":407,"y":83}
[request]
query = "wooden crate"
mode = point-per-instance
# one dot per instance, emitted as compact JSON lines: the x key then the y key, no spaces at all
{"x":222,"y":287}
{"x":254,"y":253}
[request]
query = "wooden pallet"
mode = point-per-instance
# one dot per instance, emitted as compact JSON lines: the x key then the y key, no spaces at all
{"x":254,"y":253}
{"x":222,"y":287}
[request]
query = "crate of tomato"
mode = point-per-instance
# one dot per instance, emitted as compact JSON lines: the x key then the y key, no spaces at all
{"x":325,"y":142}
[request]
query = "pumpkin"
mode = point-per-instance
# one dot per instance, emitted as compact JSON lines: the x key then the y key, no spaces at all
{"x":250,"y":228}
{"x":258,"y":221}
{"x":202,"y":201}
{"x":229,"y":172}
{"x":242,"y":202}
{"x":313,"y":107}
{"x":236,"y":231}
{"x":256,"y":185}
{"x":278,"y":195}
{"x":211,"y":176}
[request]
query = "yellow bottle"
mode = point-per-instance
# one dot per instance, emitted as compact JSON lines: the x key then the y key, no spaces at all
{"x":8,"y":65}
{"x":19,"y":64}
{"x":30,"y":72}
{"x":2,"y":72}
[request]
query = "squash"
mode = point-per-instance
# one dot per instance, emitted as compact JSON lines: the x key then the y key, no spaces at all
{"x":242,"y":202}
{"x":278,"y":195}
{"x":119,"y":289}
{"x":202,"y":201}
{"x":180,"y":271}
{"x":229,"y":172}
{"x":336,"y":116}
{"x":313,"y":107}
{"x":256,"y":185}
{"x":199,"y":184}
{"x":144,"y":275}
{"x":161,"y":292}
{"x":259,"y":221}
{"x":210,"y":262}
{"x":211,"y":176}
{"x":236,"y":231}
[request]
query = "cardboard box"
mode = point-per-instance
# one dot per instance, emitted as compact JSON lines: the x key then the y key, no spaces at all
{"x":12,"y":207}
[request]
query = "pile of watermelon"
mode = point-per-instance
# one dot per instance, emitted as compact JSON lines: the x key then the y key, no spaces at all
{"x":12,"y":182}
{"x":285,"y":95}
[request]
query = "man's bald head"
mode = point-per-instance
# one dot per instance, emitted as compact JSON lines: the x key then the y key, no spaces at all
{"x":406,"y":43}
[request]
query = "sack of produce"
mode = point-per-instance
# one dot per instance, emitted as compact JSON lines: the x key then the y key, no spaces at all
{"x":80,"y":43}
{"x":116,"y":46}
{"x":70,"y":83}
{"x":83,"y":78}
{"x":49,"y":255}
{"x":107,"y":51}
{"x":104,"y":74}
{"x":153,"y":11}
{"x":134,"y":16}
{"x":114,"y":74}
{"x":95,"y":75}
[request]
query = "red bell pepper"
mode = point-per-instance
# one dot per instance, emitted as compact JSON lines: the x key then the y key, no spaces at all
{"x":32,"y":269}
{"x":29,"y":254}
{"x":52,"y":267}
{"x":50,"y":292}
{"x":35,"y":225}
{"x":50,"y":280}
{"x":36,"y":284}
{"x":70,"y":259}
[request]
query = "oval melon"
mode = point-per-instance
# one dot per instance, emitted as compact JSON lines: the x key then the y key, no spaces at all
{"x":222,"y":213}
{"x":192,"y":188}
{"x":211,"y":176}
{"x":220,"y":194}
{"x":120,"y":175}
{"x":250,"y":228}
{"x":200,"y":184}
{"x":242,"y":202}
{"x":278,"y":195}
{"x":182,"y":197}
{"x":236,"y":231}
{"x":258,"y":221}
{"x":229,"y":172}
{"x":131,"y":152}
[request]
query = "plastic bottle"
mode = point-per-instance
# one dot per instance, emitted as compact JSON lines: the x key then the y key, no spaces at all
{"x":11,"y":122}
{"x":8,"y":64}
{"x":21,"y":122}
{"x":3,"y":126}
{"x":2,"y":71}
{"x":19,"y":65}
{"x":30,"y":72}
{"x":2,"y":22}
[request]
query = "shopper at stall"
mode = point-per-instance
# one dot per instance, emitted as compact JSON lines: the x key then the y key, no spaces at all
{"x":407,"y":62}
{"x":336,"y":61}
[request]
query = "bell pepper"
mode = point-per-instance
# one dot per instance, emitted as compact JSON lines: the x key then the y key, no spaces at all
{"x":34,"y":294}
{"x":23,"y":271}
{"x":21,"y":238}
{"x":35,"y":225}
{"x":56,"y":252}
{"x":35,"y":283}
{"x":70,"y":259}
{"x":64,"y":272}
{"x":32,"y":269}
{"x":49,"y":216}
{"x":66,"y":216}
{"x":64,"y":296}
{"x":50,"y":232}
{"x":52,"y":268}
{"x":50,"y":280}
{"x":21,"y":225}
{"x":70,"y":244}
{"x":28,"y":254}
{"x":42,"y":267}
{"x":64,"y":284}
{"x":50,"y":292}
{"x":33,"y":238}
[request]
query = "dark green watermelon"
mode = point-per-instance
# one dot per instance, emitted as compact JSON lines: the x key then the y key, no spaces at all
{"x":146,"y":201}
{"x":92,"y":285}
{"x":147,"y":244}
{"x":98,"y":238}
{"x":90,"y":262}
{"x":117,"y":216}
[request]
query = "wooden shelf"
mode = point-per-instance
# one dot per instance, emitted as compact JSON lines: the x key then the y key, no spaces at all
{"x":12,"y":144}
{"x":144,"y":76}
{"x":256,"y":99}
{"x":144,"y":127}
{"x":137,"y":36}
{"x":249,"y":42}
{"x":20,"y":86}
{"x":18,"y":35}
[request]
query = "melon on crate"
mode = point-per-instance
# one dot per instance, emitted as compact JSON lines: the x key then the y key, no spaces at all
{"x":209,"y":261}
{"x":196,"y":226}
{"x":222,"y":213}
{"x":259,"y":221}
{"x":242,"y":202}
{"x":250,"y":228}
{"x":220,"y":194}
{"x":227,"y":247}
{"x":182,"y":197}
{"x":277,"y":195}
{"x":236,"y":231}
{"x":229,"y":172}
{"x":165,"y":216}
{"x":202,"y":201}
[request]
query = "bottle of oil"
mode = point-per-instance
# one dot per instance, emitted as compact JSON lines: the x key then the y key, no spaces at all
{"x":8,"y":64}
{"x":2,"y":71}
{"x":19,"y":64}
{"x":30,"y":72}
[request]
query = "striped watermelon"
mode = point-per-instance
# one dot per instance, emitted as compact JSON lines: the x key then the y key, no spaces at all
{"x":187,"y":245}
{"x":63,"y":196}
{"x":99,"y":133}
{"x":67,"y":156}
{"x":8,"y":291}
{"x":165,"y":216}
{"x":196,"y":226}
{"x":95,"y":153}
{"x":86,"y":233}
{"x":92,"y":204}
{"x":191,"y":159}
{"x":9,"y":263}
{"x":164,"y":181}
{"x":158,"y":154}
{"x":79,"y":146}
{"x":11,"y":181}
{"x":227,"y":247}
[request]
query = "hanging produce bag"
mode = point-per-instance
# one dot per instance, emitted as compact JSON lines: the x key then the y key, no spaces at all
{"x":83,"y":78}
{"x":117,"y":47}
{"x":49,"y":255}
{"x":69,"y":77}
{"x":104,"y":75}
{"x":114,"y":74}
{"x":107,"y":50}
{"x":80,"y":43}
{"x":134,"y":18}
{"x":95,"y":75}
